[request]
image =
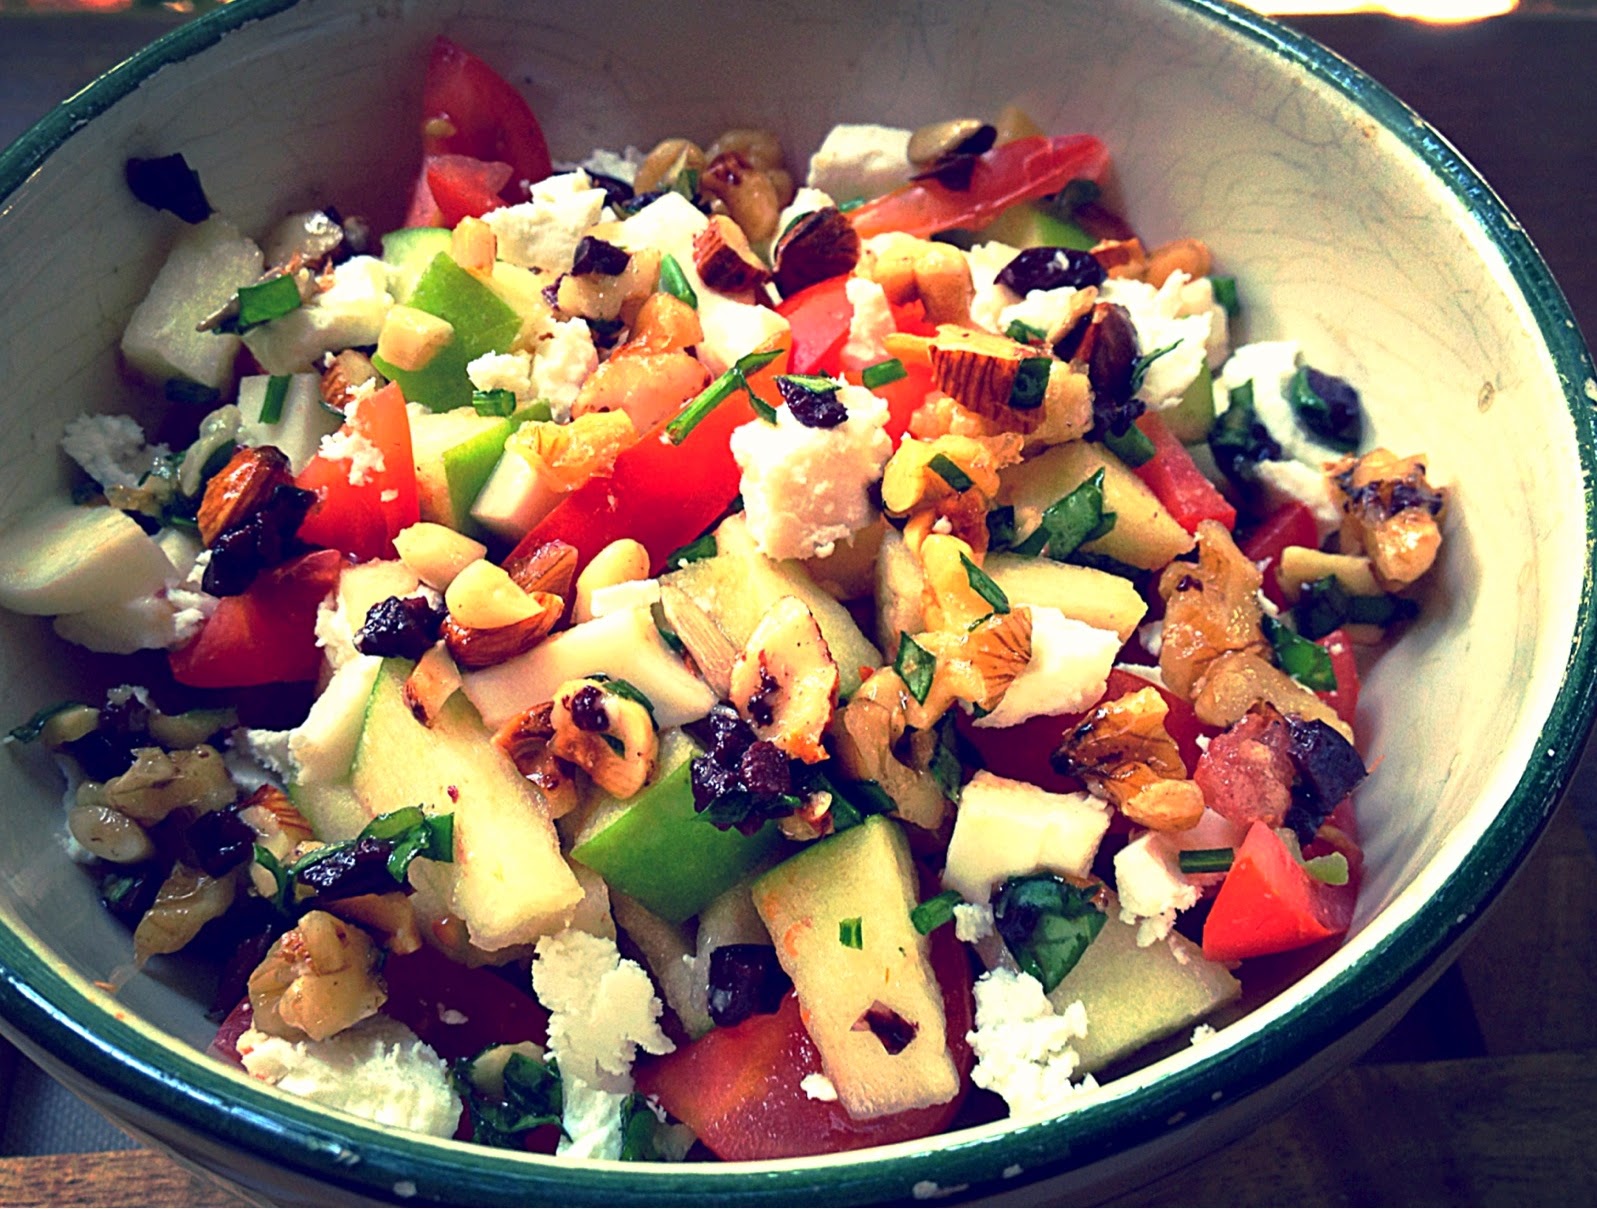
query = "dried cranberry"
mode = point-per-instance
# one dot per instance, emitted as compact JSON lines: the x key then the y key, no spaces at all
{"x":255,"y":925}
{"x":596,"y":257}
{"x":745,"y":980}
{"x":587,"y":710}
{"x":616,"y":191}
{"x":219,"y":841}
{"x":723,"y":735}
{"x":351,"y":870}
{"x":1050,"y":269}
{"x":263,"y":539}
{"x":399,"y":628}
{"x":764,"y":770}
{"x":103,"y":755}
{"x":761,"y":703}
{"x":813,"y":407}
{"x":1328,"y":767}
{"x":710,"y":780}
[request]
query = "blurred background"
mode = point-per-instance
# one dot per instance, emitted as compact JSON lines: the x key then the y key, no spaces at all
{"x":1487,"y":1091}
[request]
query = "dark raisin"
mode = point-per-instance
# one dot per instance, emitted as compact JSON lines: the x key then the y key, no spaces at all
{"x":745,"y":980}
{"x":351,"y":870}
{"x":551,"y":293}
{"x":1407,"y":495}
{"x":595,"y":257}
{"x":103,"y":755}
{"x":255,"y":924}
{"x":1050,"y":269}
{"x":710,"y":780}
{"x":812,"y":408}
{"x":764,"y":770}
{"x":1111,"y":364}
{"x":263,"y":539}
{"x":1328,"y":767}
{"x":399,"y":628}
{"x":219,"y":841}
{"x":892,"y":1030}
{"x":235,"y":561}
{"x":722,"y":734}
{"x":761,"y":703}
{"x":587,"y":709}
{"x":1068,"y":345}
{"x":952,"y":172}
{"x":616,"y":192}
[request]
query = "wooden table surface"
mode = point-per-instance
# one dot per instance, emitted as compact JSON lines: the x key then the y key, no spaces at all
{"x":1486,"y":1093}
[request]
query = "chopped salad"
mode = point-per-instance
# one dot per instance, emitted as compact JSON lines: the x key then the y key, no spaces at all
{"x":693,"y":654}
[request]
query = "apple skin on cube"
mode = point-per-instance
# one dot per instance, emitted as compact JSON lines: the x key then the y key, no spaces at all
{"x":509,"y":882}
{"x":863,"y":874}
{"x":655,"y":848}
{"x":455,"y":452}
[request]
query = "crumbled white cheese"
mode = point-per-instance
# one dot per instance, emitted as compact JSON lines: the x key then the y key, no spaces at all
{"x":1069,"y":668}
{"x":973,"y":922}
{"x":271,"y":749}
{"x":986,"y":261}
{"x":562,"y":361}
{"x":503,"y":371}
{"x":1023,"y":1046}
{"x":1197,"y":298}
{"x":110,"y":449}
{"x":869,"y":325}
{"x":806,"y":489}
{"x":818,"y":1087}
{"x":350,"y":312}
{"x":1151,"y":886}
{"x":617,"y":165}
{"x":1202,"y":1033}
{"x":543,"y":232}
{"x":1155,"y":313}
{"x":1151,"y":635}
{"x":347,"y":445}
{"x":1145,"y":671}
{"x":1288,"y":482}
{"x":334,"y":634}
{"x":378,"y":1070}
{"x":1005,"y":828}
{"x":1040,"y":309}
{"x":602,"y":1008}
{"x":591,"y":1120}
{"x":1269,"y":365}
{"x":860,"y":161}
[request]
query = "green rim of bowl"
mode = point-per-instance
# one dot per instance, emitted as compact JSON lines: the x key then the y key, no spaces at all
{"x":56,"y":1012}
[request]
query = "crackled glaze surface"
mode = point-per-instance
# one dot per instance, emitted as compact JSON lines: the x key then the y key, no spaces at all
{"x":1351,"y":227}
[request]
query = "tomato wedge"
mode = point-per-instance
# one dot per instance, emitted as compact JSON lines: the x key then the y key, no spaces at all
{"x":1017,"y":171}
{"x":738,"y":1088}
{"x":1269,"y":903}
{"x":818,"y":317}
{"x":469,"y":110}
{"x":1174,"y":477}
{"x":463,"y":187}
{"x":1292,"y":524}
{"x":1344,"y":698}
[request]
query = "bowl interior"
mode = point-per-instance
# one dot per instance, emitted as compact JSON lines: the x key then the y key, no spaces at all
{"x":1349,"y":225}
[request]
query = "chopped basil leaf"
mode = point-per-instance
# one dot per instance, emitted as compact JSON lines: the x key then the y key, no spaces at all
{"x":30,"y":730}
{"x":1071,"y":521}
{"x":533,"y":1097}
{"x":267,"y":300}
{"x":1139,"y":371}
{"x":882,"y":373}
{"x":851,"y":933}
{"x":1238,"y":440}
{"x":1328,"y":407}
{"x":935,"y":912}
{"x":1025,"y":333}
{"x":916,"y":666}
{"x":747,"y":811}
{"x":945,"y":468}
{"x":695,"y":551}
{"x":674,"y":282}
{"x":266,"y":859}
{"x":1132,"y":446}
{"x":494,"y":402}
{"x":395,"y":823}
{"x":817,"y":384}
{"x":1331,"y":868}
{"x":945,"y":767}
{"x":718,"y":392}
{"x":1030,"y":384}
{"x":638,"y":1128}
{"x":1325,"y":605}
{"x":982,"y":584}
{"x":867,"y":797}
{"x":433,"y":838}
{"x":1225,"y":293}
{"x":1047,"y":924}
{"x":1206,"y":860}
{"x":1305,"y":661}
{"x":1001,"y":528}
{"x":272,"y":402}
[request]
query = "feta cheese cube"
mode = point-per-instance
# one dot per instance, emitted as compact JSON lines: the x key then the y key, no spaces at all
{"x":1151,"y":886}
{"x":562,"y":361}
{"x":1007,"y":828}
{"x":871,"y":323}
{"x":860,"y":161}
{"x":543,"y":232}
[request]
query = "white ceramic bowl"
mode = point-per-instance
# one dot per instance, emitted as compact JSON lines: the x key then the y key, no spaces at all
{"x":1352,"y":227}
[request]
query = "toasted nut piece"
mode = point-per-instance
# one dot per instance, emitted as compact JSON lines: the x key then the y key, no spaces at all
{"x":1123,"y":752}
{"x":979,"y":370}
{"x":1211,"y":607}
{"x":605,"y":298}
{"x":711,"y":650}
{"x":648,"y":388}
{"x":747,"y":193}
{"x":317,"y":980}
{"x":785,"y":681}
{"x":1391,"y":512}
{"x":665,"y":324}
{"x":482,"y":596}
{"x":722,"y":255}
{"x":269,"y":811}
{"x":109,"y":834}
{"x":782,"y":181}
{"x":815,"y":246}
{"x":668,"y":159}
{"x":950,"y":602}
{"x":810,"y":821}
{"x":1239,"y":680}
{"x":942,"y":279}
{"x":474,"y":648}
{"x":1121,"y":257}
{"x":410,"y":338}
{"x":159,"y":782}
{"x":757,"y":148}
{"x":622,"y":561}
{"x":391,"y":914}
{"x":240,"y":488}
{"x":1189,"y":256}
{"x":185,"y":903}
{"x":348,"y":370}
{"x":431,"y":683}
{"x":609,"y":736}
{"x":436,"y":553}
{"x":568,"y":455}
{"x":525,"y":739}
{"x":867,"y":737}
{"x":473,"y":245}
{"x":908,"y":479}
{"x":68,"y":725}
{"x":548,"y":567}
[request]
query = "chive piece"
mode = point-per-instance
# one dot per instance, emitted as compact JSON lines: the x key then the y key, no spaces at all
{"x":394,"y":824}
{"x":815,"y":384}
{"x":1031,"y":383}
{"x":1022,"y":332}
{"x":1225,"y":293}
{"x":717,"y":393}
{"x":1305,"y":661}
{"x":695,"y":551}
{"x":272,"y":403}
{"x":1139,"y":371}
{"x":494,"y":402}
{"x":538,"y":409}
{"x":945,"y":766}
{"x":675,"y":282}
{"x":30,"y":730}
{"x":935,"y":912}
{"x":982,"y":584}
{"x":1238,"y":441}
{"x":945,"y":468}
{"x":1071,"y":521}
{"x":268,"y":300}
{"x":267,"y":859}
{"x":762,"y":409}
{"x":1206,"y":860}
{"x":851,"y":933}
{"x":882,"y":373}
{"x":1132,"y":447}
{"x":433,"y":838}
{"x":916,"y":666}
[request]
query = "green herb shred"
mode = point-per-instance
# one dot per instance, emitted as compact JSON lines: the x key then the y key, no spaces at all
{"x":1047,"y":924}
{"x":1030,"y":384}
{"x":1139,"y":371}
{"x":882,"y":373}
{"x":1022,"y":332}
{"x":1132,"y":446}
{"x":851,"y":933}
{"x":1305,"y":661}
{"x":945,"y":468}
{"x":696,"y":550}
{"x":1071,"y":521}
{"x":916,"y":666}
{"x":982,"y":584}
{"x":272,"y":402}
{"x":675,"y":282}
{"x":267,"y":300}
{"x":935,"y":912}
{"x":718,"y":392}
{"x":494,"y":402}
{"x":1206,"y":860}
{"x":1225,"y":293}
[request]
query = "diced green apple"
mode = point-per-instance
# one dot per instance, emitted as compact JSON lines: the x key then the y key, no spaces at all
{"x":66,"y":558}
{"x":407,"y":252}
{"x":1029,"y":226}
{"x":455,"y":452}
{"x":514,"y":498}
{"x":1085,"y":593}
{"x":348,"y":313}
{"x":1005,"y":828}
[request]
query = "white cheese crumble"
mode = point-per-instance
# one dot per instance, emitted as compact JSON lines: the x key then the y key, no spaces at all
{"x":602,"y":1008}
{"x":562,"y":361}
{"x":347,"y":445}
{"x":869,"y":325}
{"x":334,"y":634}
{"x":806,"y":489}
{"x":1069,"y":668}
{"x":617,"y":165}
{"x":818,"y":1087}
{"x":1023,"y":1046}
{"x":1151,"y":635}
{"x":1288,"y":482}
{"x":1151,"y":886}
{"x":110,"y":449}
{"x":503,"y":371}
{"x":1270,"y":365}
{"x":271,"y":749}
{"x":378,"y":1070}
{"x":543,"y":232}
{"x":973,"y":922}
{"x":1202,"y":1033}
{"x":1156,"y":314}
{"x":860,"y":161}
{"x":591,"y":1120}
{"x":1040,"y":309}
{"x":986,"y":261}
